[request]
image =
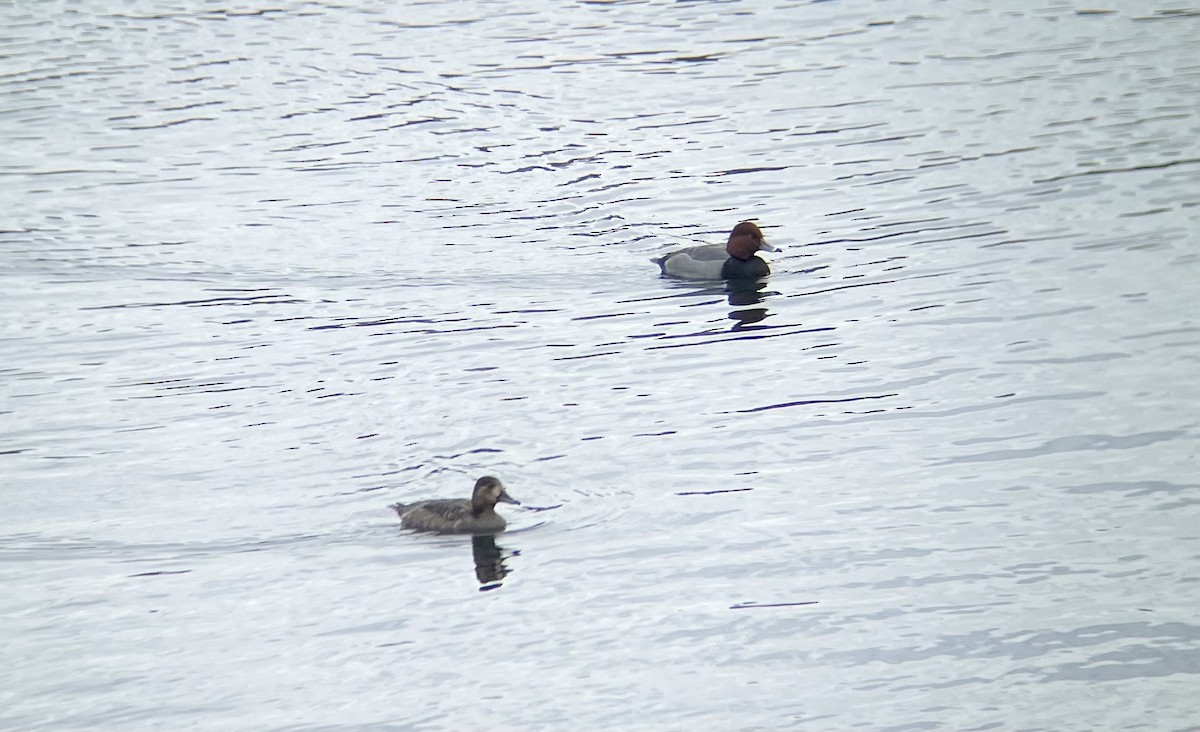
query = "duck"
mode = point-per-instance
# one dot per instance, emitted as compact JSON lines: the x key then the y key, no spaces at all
{"x":458,"y":515}
{"x":736,"y":260}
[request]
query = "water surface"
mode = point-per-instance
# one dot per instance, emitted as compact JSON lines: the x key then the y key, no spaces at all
{"x":267,"y":270}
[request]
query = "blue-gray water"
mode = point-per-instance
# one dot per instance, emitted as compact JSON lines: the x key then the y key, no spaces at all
{"x":266,"y":269}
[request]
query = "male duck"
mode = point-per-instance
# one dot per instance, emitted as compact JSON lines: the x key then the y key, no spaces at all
{"x":735,"y":260}
{"x":459,"y":516}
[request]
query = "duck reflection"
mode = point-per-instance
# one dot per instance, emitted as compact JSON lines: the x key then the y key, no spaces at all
{"x":490,"y":569}
{"x":744,"y":293}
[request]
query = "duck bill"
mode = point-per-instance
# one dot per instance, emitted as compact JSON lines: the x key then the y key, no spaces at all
{"x":505,"y":498}
{"x":769,"y":247}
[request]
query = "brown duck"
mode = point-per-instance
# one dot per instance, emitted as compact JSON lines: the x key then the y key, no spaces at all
{"x":457,"y":515}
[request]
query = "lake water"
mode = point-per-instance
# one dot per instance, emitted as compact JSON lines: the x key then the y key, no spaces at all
{"x":267,"y":269}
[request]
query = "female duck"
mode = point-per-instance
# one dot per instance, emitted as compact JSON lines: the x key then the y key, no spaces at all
{"x":459,"y":516}
{"x":709,"y":262}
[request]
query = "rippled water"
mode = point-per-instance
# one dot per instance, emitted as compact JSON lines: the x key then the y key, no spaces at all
{"x":269,"y":269}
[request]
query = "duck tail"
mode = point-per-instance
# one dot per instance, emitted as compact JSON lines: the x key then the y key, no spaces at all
{"x":399,"y":508}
